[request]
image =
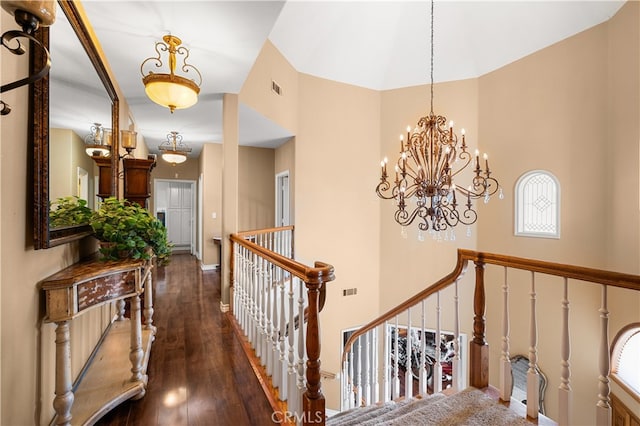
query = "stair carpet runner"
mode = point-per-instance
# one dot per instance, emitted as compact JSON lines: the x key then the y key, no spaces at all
{"x":469,"y":407}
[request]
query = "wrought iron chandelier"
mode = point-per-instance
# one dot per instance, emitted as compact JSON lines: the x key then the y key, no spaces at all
{"x":174,"y":151}
{"x":424,"y":188}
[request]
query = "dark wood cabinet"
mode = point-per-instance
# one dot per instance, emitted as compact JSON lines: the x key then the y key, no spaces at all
{"x":137,"y":180}
{"x":104,"y":177}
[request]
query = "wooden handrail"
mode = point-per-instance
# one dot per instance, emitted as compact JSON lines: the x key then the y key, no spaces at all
{"x":598,"y":276}
{"x":315,"y":278}
{"x":459,"y":270}
{"x":264,"y":231}
{"x":321,"y":272}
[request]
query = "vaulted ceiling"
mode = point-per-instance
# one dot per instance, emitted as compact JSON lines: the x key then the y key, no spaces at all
{"x":374,"y":44}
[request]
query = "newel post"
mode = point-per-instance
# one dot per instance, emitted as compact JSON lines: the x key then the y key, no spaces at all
{"x":313,"y":399}
{"x":479,"y":348}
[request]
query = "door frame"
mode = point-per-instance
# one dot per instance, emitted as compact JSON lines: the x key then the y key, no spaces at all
{"x":194,"y":207}
{"x":278,"y":213}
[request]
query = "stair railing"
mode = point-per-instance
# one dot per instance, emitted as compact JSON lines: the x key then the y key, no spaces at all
{"x":410,"y":356}
{"x":272,"y":297}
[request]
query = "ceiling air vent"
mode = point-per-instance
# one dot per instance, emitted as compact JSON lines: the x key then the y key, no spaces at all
{"x":275,"y":87}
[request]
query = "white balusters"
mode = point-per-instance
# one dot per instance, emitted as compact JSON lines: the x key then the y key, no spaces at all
{"x":506,"y":378}
{"x":358,"y":383}
{"x":387,"y":366}
{"x":396,"y":364}
{"x":367,"y":367}
{"x":291,"y":356}
{"x":301,"y":346}
{"x":269,"y":306}
{"x":456,"y":367}
{"x":376,"y":383}
{"x":437,"y":366}
{"x":422,"y":378}
{"x":408,"y":375}
{"x":532,"y":374}
{"x":352,"y":378}
{"x":259,"y":346}
{"x":282,"y":330}
{"x":603,"y":407}
{"x":565,"y":394}
{"x":270,"y":314}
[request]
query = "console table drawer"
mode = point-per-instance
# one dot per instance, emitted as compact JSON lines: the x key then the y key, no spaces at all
{"x":107,"y":288}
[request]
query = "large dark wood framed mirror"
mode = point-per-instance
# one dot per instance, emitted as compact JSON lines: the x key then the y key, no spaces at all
{"x":47,"y":106}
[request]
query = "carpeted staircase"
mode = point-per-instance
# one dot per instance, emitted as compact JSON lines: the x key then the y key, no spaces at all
{"x":469,"y":407}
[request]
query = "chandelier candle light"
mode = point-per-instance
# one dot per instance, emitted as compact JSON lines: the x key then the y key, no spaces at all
{"x":430,"y":158}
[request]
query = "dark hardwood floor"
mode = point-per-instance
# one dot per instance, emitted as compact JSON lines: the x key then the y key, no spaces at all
{"x":198,"y":372}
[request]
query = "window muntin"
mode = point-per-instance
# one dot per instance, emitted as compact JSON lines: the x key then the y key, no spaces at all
{"x":537,"y":209}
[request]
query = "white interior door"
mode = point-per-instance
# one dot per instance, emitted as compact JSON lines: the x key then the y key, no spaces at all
{"x":83,"y":184}
{"x":175,"y":200}
{"x":282,"y":199}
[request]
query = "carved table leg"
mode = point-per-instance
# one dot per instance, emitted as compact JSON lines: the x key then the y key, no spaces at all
{"x":120,"y":307}
{"x":64,"y":396}
{"x":148,"y":305}
{"x":136,"y":353}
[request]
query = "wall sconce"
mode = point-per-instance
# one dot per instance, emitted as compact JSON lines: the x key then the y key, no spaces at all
{"x":98,"y":142}
{"x":128,"y":140}
{"x":30,"y":15}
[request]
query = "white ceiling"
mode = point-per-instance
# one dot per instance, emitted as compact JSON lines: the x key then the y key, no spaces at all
{"x":374,"y":44}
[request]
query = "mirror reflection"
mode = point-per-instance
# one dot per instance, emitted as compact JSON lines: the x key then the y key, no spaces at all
{"x":79,"y":105}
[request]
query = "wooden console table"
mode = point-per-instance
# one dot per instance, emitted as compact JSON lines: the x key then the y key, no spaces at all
{"x":116,"y":371}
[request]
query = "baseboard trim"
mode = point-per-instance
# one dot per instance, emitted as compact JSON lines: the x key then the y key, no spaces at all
{"x":213,"y":267}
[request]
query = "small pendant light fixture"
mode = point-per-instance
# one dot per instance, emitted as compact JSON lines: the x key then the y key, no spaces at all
{"x":171,"y":90}
{"x":98,"y":142}
{"x":424,"y":189}
{"x":174,"y":151}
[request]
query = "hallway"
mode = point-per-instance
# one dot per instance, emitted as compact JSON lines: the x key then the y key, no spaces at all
{"x":198,"y":372}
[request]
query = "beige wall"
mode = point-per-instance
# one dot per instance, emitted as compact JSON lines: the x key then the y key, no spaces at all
{"x":256,"y":188}
{"x":211,"y":172}
{"x":571,"y":109}
{"x":337,"y":214}
{"x":552,"y":122}
{"x":66,"y":154}
{"x":256,"y":91}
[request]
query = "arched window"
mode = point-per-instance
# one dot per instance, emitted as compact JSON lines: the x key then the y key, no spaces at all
{"x":537,"y":209}
{"x":625,"y":356}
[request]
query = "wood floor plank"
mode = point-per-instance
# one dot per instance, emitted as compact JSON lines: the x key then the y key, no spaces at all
{"x":198,"y":372}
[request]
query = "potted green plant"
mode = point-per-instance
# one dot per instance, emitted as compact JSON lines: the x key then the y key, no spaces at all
{"x":127,"y":230}
{"x":69,"y":211}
